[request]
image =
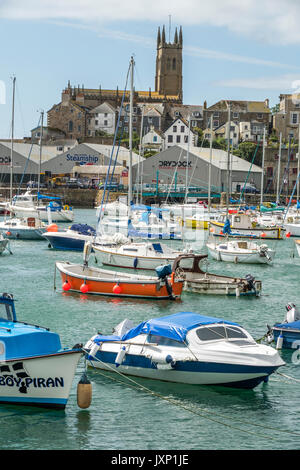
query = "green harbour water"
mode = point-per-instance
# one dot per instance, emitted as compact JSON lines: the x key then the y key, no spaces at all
{"x":123,"y":416}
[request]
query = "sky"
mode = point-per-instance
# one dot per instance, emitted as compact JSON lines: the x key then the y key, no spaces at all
{"x":232,"y":49}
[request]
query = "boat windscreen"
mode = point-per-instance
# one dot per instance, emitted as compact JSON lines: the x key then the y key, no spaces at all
{"x":6,"y":312}
{"x":212,"y":333}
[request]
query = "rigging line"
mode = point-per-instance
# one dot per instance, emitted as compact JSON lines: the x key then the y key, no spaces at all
{"x":173,"y":177}
{"x":27,"y":161}
{"x":115,"y":136}
{"x":249,"y":171}
{"x":286,"y":171}
{"x":138,"y":386}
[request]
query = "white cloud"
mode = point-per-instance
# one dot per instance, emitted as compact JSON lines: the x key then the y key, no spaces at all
{"x":286,"y":83}
{"x":271,"y":21}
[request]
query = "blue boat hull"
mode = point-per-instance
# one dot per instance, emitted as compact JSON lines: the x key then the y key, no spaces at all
{"x":291,"y":339}
{"x":66,"y":243}
{"x":188,"y":372}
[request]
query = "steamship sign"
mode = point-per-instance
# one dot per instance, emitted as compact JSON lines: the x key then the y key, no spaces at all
{"x":173,"y":164}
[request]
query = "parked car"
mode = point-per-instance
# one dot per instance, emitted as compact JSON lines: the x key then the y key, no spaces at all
{"x":34,"y":184}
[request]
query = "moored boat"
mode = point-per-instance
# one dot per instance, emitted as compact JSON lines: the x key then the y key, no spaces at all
{"x":34,"y":368}
{"x":242,"y":225}
{"x":185,"y":348}
{"x":137,"y":255}
{"x":27,"y":228}
{"x":91,"y":280}
{"x":241,"y":251}
{"x":191,"y":268}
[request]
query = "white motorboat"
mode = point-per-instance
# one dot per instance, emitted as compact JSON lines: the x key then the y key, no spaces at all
{"x":241,"y":251}
{"x":28,"y":228}
{"x":185,"y":348}
{"x":142,"y":255}
{"x":292,"y":224}
{"x":29,"y":205}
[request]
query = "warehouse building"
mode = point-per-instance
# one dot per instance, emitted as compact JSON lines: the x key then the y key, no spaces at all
{"x":176,"y":165}
{"x":59,"y":161}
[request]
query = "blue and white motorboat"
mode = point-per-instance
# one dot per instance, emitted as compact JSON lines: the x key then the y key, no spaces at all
{"x":287,"y":334}
{"x":186,"y":348}
{"x":72,"y":239}
{"x":34,"y":368}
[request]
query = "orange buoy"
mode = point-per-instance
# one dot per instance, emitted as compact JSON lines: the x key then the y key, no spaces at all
{"x":8,"y":234}
{"x":117,"y":289}
{"x":52,"y":228}
{"x":84,"y":288}
{"x":66,"y":285}
{"x":263,"y":235}
{"x":288,"y":234}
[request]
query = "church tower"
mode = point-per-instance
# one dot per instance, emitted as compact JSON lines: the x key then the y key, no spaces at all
{"x":168,"y":78}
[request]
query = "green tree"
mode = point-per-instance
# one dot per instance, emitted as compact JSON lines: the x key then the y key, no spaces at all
{"x":246,"y":150}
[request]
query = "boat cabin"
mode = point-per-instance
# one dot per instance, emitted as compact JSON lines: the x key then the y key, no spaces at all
{"x":239,"y":220}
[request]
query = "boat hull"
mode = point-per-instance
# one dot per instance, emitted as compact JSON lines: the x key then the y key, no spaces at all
{"x":249,"y":258}
{"x":264,"y":233}
{"x":186,"y":372}
{"x":194,"y":223}
{"x":133,"y":262}
{"x":152,"y":289}
{"x":22,"y":234}
{"x":66,"y":243}
{"x":43,"y":381}
{"x":56,"y":216}
{"x":293,"y":229}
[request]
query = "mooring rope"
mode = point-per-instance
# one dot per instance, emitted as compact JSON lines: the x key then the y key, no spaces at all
{"x":138,"y":386}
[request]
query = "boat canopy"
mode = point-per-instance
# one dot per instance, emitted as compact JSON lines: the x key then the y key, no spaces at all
{"x":83,"y":229}
{"x":174,"y":327}
{"x":51,"y":198}
{"x":295,"y":325}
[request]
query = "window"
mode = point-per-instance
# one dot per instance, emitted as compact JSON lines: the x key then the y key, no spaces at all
{"x":105,"y":114}
{"x":150,"y":119}
{"x":216,"y":115}
{"x":155,"y":138}
{"x":79,"y":128}
{"x":181,"y":128}
{"x":194,"y":123}
{"x":215,"y":124}
{"x":170,"y":138}
{"x":235,"y":115}
{"x":164,"y":341}
{"x":294,"y":118}
{"x":96,"y":122}
{"x":269,"y":171}
{"x":259,"y":116}
{"x":106,"y":123}
{"x":213,"y":333}
{"x":79,"y":115}
{"x":174,"y":64}
{"x":246,"y":127}
{"x":70,"y":127}
{"x":178,"y":139}
{"x":186,"y":139}
{"x":174,"y":128}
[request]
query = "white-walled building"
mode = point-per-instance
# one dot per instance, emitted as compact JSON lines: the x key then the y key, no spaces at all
{"x":178,"y":133}
{"x":153,"y":140}
{"x":102,"y":118}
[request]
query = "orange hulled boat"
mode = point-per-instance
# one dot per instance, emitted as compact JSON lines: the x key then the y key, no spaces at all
{"x":92,"y":280}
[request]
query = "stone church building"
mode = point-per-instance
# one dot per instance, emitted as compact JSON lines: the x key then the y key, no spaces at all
{"x":77,"y":110}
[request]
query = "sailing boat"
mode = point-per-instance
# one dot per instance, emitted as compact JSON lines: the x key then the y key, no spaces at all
{"x":21,"y":228}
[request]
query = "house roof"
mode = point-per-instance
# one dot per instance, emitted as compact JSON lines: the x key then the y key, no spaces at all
{"x":236,"y":105}
{"x":103,"y":108}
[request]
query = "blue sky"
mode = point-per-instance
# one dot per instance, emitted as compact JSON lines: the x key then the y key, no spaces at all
{"x":240,"y":50}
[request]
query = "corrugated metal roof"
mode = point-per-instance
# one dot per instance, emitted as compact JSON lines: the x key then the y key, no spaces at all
{"x":219,"y":159}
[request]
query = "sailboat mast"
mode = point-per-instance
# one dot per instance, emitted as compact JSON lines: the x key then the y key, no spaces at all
{"x":228,"y":160}
{"x":130,"y":134}
{"x":41,"y":140}
{"x":210,"y":160}
{"x":263,"y":171}
{"x":187,"y":163}
{"x":12,"y":139}
{"x":278,"y":172}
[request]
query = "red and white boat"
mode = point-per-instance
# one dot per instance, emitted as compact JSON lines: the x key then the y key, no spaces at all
{"x":92,"y":280}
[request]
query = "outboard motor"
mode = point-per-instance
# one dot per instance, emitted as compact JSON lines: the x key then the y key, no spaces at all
{"x":292,"y":314}
{"x":163,"y":272}
{"x":263,"y":251}
{"x":251,"y":282}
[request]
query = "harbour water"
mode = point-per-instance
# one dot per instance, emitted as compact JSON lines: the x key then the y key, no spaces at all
{"x":174,"y":417}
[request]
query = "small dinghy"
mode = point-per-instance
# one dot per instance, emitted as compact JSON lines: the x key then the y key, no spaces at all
{"x":242,"y":225}
{"x":287,"y":334}
{"x":185,"y":348}
{"x":72,"y":239}
{"x":241,"y":251}
{"x":34,"y":368}
{"x":189,"y":268}
{"x":91,"y":280}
